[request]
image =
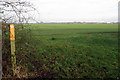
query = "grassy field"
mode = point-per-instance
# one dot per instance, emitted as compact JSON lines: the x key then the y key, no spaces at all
{"x":48,"y":29}
{"x":72,"y":50}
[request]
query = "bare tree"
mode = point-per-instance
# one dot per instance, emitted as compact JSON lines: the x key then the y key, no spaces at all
{"x":16,"y":11}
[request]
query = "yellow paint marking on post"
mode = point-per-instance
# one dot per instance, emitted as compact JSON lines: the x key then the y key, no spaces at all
{"x":12,"y":40}
{"x":12,"y":32}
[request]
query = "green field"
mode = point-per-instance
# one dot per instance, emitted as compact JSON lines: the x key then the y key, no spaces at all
{"x":71,"y":50}
{"x":48,"y":29}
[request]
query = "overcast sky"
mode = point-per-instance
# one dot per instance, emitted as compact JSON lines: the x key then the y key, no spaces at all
{"x":76,"y":10}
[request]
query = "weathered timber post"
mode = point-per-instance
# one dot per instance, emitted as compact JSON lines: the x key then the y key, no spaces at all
{"x":12,"y":40}
{"x":0,"y":50}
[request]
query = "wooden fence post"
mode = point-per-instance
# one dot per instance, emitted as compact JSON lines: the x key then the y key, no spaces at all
{"x":0,"y":50}
{"x":12,"y":40}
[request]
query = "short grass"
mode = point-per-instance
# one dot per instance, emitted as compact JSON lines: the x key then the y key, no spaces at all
{"x":74,"y":50}
{"x":48,"y":29}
